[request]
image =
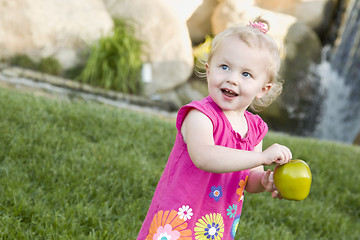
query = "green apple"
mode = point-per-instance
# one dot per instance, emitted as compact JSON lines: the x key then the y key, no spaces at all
{"x":293,"y":180}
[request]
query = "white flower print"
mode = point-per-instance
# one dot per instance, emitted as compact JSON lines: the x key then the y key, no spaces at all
{"x":185,"y":212}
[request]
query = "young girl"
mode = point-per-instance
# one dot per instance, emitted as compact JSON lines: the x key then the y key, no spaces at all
{"x":218,"y":148}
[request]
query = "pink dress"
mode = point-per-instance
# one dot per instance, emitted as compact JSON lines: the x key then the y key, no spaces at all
{"x":190,"y":203}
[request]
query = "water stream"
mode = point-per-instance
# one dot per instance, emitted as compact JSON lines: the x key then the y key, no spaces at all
{"x":340,"y":81}
{"x":338,"y":121}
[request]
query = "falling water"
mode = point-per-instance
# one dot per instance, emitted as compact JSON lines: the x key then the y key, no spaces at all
{"x":340,"y":81}
{"x":335,"y":123}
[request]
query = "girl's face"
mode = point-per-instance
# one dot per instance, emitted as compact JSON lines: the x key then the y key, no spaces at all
{"x":237,"y":74}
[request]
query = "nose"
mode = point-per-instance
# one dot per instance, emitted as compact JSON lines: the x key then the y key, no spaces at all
{"x":232,"y":79}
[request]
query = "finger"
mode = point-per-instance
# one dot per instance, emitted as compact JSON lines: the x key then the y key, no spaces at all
{"x":282,"y":159}
{"x":274,"y":194}
{"x":288,"y":154}
{"x":271,"y":176}
{"x":270,"y":185}
{"x":273,"y":187}
{"x":265,"y":179}
{"x":270,"y":182}
{"x":267,"y":174}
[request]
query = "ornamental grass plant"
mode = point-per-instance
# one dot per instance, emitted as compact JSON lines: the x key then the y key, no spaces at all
{"x":47,"y":65}
{"x":77,"y":170}
{"x":115,"y":61}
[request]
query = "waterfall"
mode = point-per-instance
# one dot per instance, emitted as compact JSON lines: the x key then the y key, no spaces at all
{"x":340,"y":82}
{"x":335,"y":123}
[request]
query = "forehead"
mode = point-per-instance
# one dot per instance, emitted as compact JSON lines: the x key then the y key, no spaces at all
{"x":236,"y":48}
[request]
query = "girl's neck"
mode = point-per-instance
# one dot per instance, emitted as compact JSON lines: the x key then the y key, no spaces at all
{"x":238,"y":122}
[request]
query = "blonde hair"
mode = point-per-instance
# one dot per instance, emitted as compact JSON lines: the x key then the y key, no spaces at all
{"x":253,"y":37}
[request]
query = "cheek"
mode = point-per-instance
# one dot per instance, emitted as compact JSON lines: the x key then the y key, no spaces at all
{"x":211,"y":85}
{"x":250,"y":91}
{"x":212,"y":80}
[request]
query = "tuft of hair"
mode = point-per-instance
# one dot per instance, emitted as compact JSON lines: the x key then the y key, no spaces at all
{"x":259,"y":19}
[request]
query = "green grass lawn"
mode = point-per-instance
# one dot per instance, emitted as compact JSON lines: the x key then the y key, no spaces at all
{"x":86,"y":171}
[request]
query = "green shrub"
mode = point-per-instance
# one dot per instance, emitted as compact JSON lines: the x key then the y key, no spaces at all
{"x":22,"y":60}
{"x":114,"y":62}
{"x":48,"y":65}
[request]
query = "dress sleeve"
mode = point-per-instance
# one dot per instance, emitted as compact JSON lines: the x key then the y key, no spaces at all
{"x":257,"y":128}
{"x":200,"y":106}
{"x":262,"y":129}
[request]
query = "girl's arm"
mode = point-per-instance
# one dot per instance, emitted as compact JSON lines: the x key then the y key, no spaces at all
{"x":197,"y":131}
{"x":256,"y":174}
{"x":260,"y":181}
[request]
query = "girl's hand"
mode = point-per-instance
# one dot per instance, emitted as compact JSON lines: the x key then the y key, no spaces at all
{"x":278,"y":154}
{"x":268,"y":183}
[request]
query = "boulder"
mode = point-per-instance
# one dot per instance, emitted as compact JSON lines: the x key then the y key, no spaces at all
{"x":59,"y":29}
{"x":181,"y":95}
{"x":184,"y":9}
{"x":301,"y":98}
{"x":166,"y":41}
{"x":317,"y":14}
{"x":231,"y":12}
{"x":199,"y":23}
{"x":357,"y":140}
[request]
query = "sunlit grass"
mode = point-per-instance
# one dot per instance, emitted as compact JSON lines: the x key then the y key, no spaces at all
{"x":86,"y":171}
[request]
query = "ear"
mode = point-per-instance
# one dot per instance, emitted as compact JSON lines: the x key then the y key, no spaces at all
{"x":207,"y":67}
{"x":264,"y":90}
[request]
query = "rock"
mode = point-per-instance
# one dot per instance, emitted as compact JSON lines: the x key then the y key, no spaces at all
{"x":286,"y":30}
{"x":184,"y":9}
{"x":199,"y":23}
{"x":187,"y":93}
{"x":301,"y":98}
{"x":166,"y":40}
{"x":357,"y":140}
{"x":181,"y":95}
{"x":59,"y":29}
{"x":316,"y":14}
{"x":231,"y":12}
{"x":200,"y":85}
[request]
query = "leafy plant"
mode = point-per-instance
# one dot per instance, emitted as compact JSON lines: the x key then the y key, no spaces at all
{"x":48,"y":65}
{"x":115,"y":61}
{"x":22,"y":60}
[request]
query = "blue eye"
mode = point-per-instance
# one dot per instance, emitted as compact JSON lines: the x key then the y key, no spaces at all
{"x":225,"y":67}
{"x":246,"y":74}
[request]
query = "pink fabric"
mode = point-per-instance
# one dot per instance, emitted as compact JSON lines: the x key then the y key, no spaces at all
{"x":193,"y":204}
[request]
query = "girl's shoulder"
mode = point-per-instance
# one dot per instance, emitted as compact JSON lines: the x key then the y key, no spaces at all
{"x":254,"y":118}
{"x":206,"y":106}
{"x":257,"y":127}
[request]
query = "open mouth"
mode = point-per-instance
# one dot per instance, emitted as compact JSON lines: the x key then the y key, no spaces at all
{"x":229,"y":93}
